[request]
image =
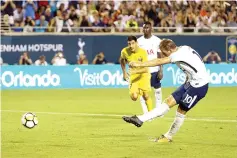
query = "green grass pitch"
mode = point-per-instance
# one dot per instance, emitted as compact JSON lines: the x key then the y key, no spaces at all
{"x":66,"y":130}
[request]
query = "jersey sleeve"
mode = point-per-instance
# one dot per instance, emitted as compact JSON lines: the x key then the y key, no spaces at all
{"x":174,"y":57}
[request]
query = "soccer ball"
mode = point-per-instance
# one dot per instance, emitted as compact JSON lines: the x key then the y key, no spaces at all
{"x":29,"y":120}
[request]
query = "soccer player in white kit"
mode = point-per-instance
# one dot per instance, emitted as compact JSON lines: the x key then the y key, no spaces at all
{"x":151,"y":44}
{"x":186,"y":96}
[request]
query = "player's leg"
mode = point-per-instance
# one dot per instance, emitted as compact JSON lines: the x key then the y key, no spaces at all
{"x":156,"y":112}
{"x":155,"y":82}
{"x":144,"y":86}
{"x":134,"y":91}
{"x":168,"y":103}
{"x":159,"y":111}
{"x":175,"y":126}
{"x":188,"y":101}
{"x":143,"y":104}
{"x":158,"y":96}
{"x":148,"y":100}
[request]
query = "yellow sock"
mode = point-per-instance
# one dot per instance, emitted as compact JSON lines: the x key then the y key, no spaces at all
{"x":149,"y":104}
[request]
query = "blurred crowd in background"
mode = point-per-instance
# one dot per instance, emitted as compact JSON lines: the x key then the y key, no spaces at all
{"x":120,"y":16}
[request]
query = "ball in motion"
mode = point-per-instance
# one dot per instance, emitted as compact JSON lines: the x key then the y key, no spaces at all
{"x":29,"y":120}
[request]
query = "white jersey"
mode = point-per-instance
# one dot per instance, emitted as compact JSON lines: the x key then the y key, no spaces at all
{"x":189,"y":61}
{"x":151,"y":46}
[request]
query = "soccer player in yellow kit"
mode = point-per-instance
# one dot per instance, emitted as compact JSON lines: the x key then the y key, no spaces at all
{"x":139,"y":79}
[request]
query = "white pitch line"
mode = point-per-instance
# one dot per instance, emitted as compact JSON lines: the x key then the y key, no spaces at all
{"x":117,"y":115}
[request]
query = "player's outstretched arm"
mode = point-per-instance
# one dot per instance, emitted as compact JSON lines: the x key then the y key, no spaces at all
{"x":139,"y":71}
{"x":151,"y":63}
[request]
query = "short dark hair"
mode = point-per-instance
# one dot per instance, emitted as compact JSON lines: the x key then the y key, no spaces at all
{"x":132,"y":38}
{"x":42,"y":57}
{"x":167,"y":44}
{"x":147,"y":23}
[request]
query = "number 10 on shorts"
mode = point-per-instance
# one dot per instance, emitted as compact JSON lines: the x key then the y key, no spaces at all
{"x":189,"y":100}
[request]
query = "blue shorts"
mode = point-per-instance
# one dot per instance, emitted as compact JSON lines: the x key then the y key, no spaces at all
{"x":187,"y":96}
{"x":155,"y":82}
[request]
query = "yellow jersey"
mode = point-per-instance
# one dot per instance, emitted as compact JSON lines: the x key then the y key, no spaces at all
{"x":139,"y":55}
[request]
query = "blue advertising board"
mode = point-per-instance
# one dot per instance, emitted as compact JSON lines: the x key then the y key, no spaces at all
{"x":100,"y":76}
{"x":13,"y":46}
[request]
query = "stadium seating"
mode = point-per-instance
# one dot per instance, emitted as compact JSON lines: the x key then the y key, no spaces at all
{"x":118,"y":16}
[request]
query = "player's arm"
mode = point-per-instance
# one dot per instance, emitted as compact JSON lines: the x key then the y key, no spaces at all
{"x":12,"y":4}
{"x":151,"y":63}
{"x":206,"y":57}
{"x":5,"y":5}
{"x":138,"y":71}
{"x":123,"y":66}
{"x":160,"y":72}
{"x":218,"y":57}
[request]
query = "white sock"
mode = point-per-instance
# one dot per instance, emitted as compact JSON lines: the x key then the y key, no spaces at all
{"x":178,"y":121}
{"x":156,"y":112}
{"x":143,"y":103}
{"x":158,"y":95}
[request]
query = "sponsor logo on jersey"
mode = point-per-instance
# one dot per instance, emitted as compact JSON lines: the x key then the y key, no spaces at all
{"x":140,"y":59}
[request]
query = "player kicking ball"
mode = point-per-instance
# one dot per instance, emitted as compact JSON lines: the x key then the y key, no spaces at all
{"x":186,"y":96}
{"x":139,"y":78}
{"x":151,"y":44}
